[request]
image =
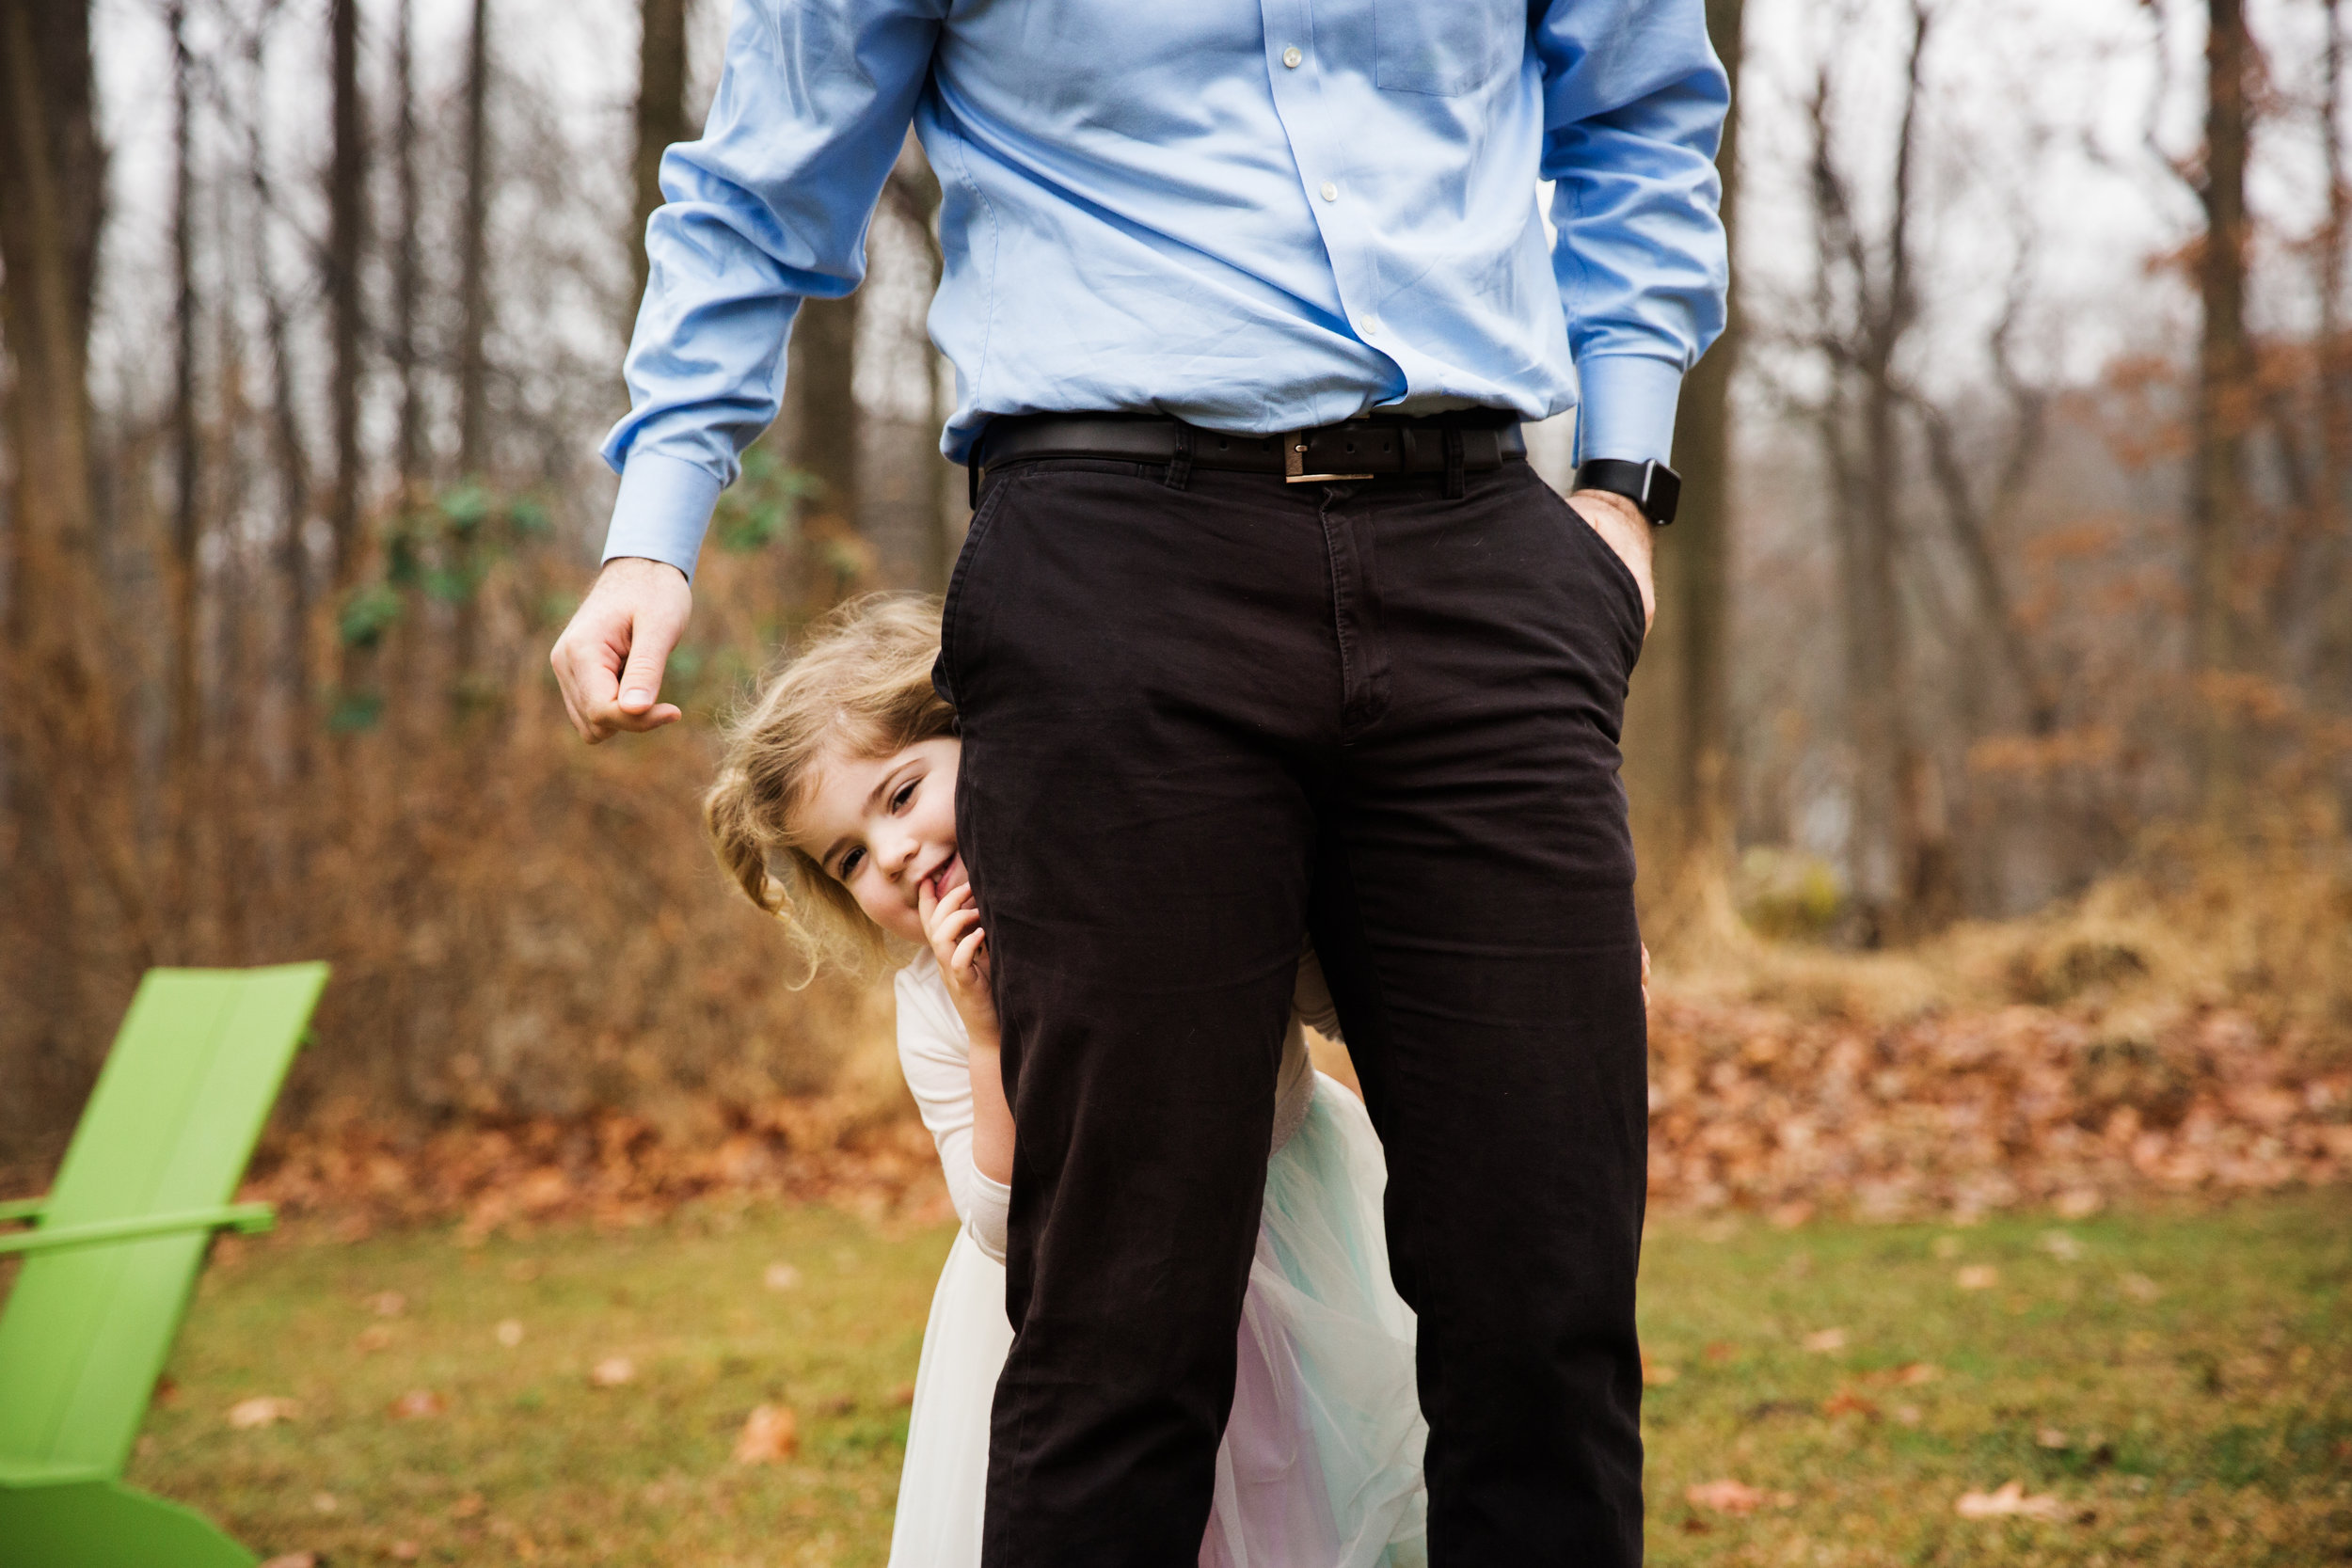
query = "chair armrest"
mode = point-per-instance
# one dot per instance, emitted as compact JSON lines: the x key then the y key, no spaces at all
{"x":246,"y":1217}
{"x":22,"y":1209}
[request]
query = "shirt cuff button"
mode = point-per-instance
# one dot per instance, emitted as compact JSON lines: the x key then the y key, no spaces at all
{"x":1292,"y":58}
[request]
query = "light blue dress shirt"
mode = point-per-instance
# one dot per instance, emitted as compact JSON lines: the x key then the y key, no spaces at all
{"x":1253,"y":214}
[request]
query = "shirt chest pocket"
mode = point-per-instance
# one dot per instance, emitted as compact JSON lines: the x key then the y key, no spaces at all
{"x":1447,"y":47}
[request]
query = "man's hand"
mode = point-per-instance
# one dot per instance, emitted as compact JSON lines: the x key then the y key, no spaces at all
{"x":609,"y":660}
{"x":1620,"y":522}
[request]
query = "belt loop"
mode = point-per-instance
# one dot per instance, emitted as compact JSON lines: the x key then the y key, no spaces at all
{"x":1456,"y":486}
{"x":972,"y":471}
{"x":1180,"y":465}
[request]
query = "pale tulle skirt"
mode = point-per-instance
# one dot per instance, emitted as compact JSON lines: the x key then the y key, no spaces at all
{"x":1320,"y":1462}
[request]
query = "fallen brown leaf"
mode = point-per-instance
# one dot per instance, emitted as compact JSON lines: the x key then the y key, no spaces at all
{"x":264,"y":1410}
{"x":2051,"y":1437}
{"x":417,"y":1403}
{"x":1828,"y":1340}
{"x":2009,"y":1502}
{"x":407,"y":1551}
{"x":376,"y":1337}
{"x":1721,"y":1351}
{"x":387,"y":1304}
{"x":1847,"y":1402}
{"x":293,"y":1560}
{"x":510,"y":1332}
{"x":2079,"y":1203}
{"x":1656,"y":1374}
{"x":770,"y":1434}
{"x":467,"y":1506}
{"x":1733,"y":1497}
{"x":613,"y":1371}
{"x":1977,"y":1276}
{"x":780,"y":1276}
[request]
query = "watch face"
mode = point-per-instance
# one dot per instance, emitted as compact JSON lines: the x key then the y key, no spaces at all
{"x":1665,"y":494}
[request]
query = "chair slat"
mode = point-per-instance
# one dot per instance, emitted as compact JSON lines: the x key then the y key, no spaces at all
{"x":169,"y":1126}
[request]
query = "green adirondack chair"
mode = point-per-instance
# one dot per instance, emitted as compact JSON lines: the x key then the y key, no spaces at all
{"x":112,"y":1256}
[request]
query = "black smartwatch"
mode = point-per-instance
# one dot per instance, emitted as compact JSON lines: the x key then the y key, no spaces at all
{"x":1652,"y":486}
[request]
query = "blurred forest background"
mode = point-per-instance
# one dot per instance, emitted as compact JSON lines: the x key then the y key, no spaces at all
{"x":1991,"y":751}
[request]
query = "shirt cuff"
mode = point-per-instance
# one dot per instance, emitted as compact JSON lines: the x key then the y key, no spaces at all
{"x":662,"y":510}
{"x":1626,"y":410}
{"x":991,"y":1209}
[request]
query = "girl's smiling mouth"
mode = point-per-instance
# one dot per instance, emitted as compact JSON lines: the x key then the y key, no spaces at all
{"x":946,"y":878}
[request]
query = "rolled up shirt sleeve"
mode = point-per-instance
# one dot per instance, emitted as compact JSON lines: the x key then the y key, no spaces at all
{"x":1634,"y":102}
{"x":768,"y":208}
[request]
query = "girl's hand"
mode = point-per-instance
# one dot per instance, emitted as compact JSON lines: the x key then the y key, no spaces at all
{"x":952,"y":927}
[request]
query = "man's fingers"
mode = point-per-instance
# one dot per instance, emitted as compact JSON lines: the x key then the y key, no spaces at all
{"x":610,"y":660}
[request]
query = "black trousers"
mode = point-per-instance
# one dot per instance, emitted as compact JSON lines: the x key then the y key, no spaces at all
{"x":1203,"y":720}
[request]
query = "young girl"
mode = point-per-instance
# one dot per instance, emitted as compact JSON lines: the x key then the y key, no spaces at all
{"x":835,"y":808}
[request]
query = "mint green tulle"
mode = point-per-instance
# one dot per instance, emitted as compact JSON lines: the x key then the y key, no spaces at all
{"x":1323,"y":1454}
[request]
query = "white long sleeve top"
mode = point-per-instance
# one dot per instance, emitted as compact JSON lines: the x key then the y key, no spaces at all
{"x":935,"y":1053}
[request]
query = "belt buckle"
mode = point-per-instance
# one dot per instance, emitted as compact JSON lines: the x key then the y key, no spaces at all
{"x":1295,"y":462}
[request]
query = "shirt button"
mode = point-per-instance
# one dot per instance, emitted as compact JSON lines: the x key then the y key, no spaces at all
{"x":1292,"y":58}
{"x":1330,"y":191}
{"x":1371,"y":328}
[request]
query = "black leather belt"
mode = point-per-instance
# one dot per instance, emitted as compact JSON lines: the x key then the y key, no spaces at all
{"x":1354,"y":449}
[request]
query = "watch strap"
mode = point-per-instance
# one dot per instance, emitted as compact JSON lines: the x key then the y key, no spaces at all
{"x":1654,"y":487}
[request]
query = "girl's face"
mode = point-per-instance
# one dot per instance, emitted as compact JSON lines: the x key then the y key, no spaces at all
{"x":885,"y":827}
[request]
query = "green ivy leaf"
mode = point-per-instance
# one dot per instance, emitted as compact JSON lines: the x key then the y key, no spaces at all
{"x":367,"y":615}
{"x":354,"y":712}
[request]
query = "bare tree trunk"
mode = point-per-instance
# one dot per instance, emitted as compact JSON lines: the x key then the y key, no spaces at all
{"x":347,"y":244}
{"x":69,"y":759}
{"x":2224,"y":388}
{"x":1926,"y":893}
{"x":406,"y":267}
{"x":474,"y":408}
{"x":826,"y":430}
{"x":2335,"y":379}
{"x":1677,"y":714}
{"x":179,"y":574}
{"x":911,"y":503}
{"x":473,"y":247}
{"x":661,"y":118}
{"x":1899,"y":857}
{"x":289,"y":451}
{"x":346,"y":241}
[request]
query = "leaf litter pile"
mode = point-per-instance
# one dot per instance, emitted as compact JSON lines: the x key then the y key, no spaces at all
{"x":1753,"y":1105}
{"x":1757,"y":1107}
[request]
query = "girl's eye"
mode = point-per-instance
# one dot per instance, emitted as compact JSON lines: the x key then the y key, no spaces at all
{"x":906,"y":792}
{"x":849,"y":864}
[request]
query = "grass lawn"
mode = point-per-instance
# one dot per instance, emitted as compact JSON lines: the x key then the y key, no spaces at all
{"x":2180,"y":1384}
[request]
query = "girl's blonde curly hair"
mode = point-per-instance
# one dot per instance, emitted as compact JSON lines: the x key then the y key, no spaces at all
{"x":859,"y":686}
